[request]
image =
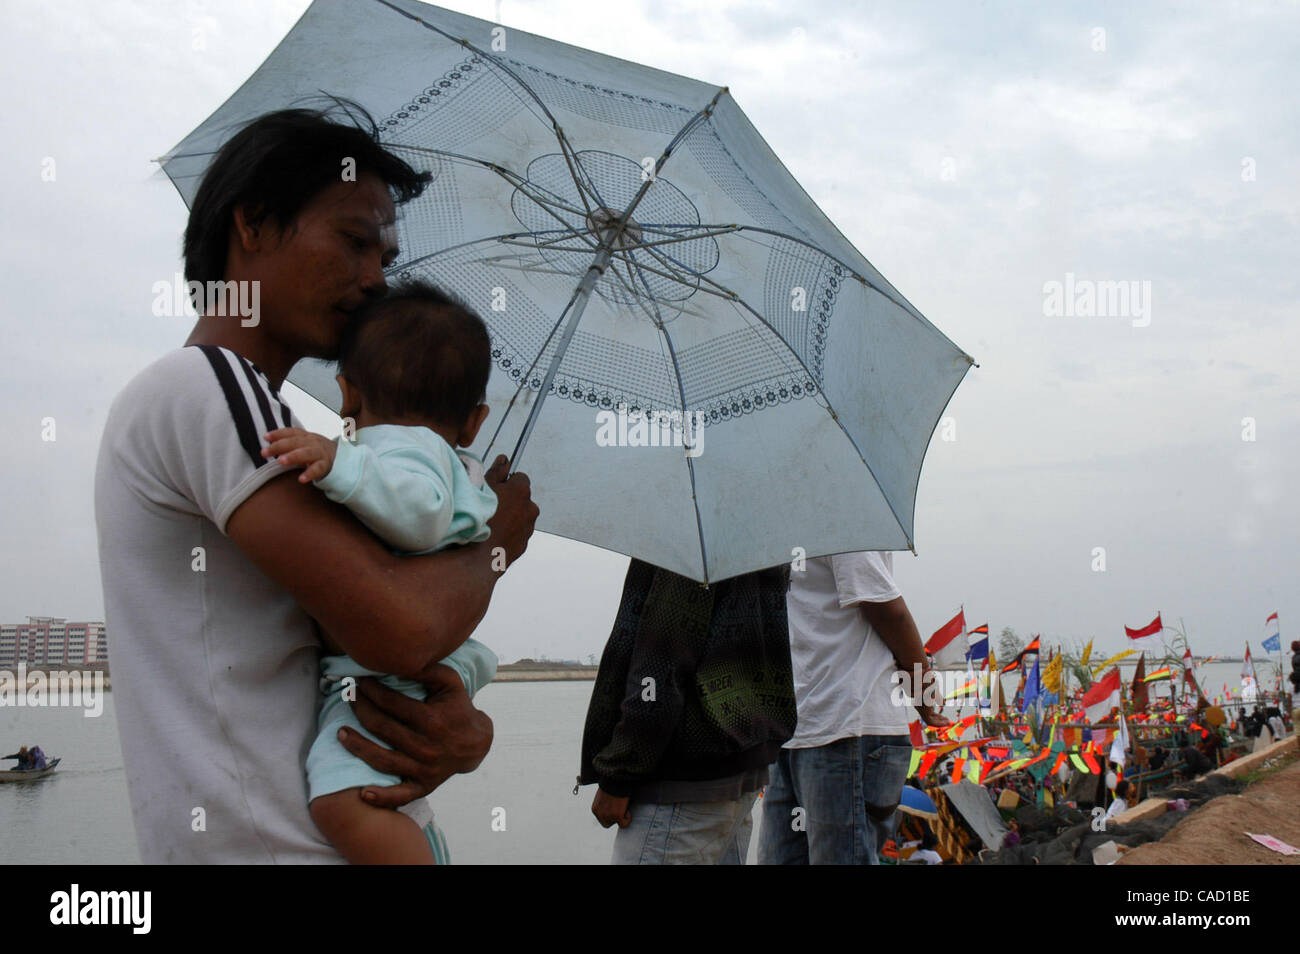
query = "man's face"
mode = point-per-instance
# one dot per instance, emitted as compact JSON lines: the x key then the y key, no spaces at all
{"x":325,"y":266}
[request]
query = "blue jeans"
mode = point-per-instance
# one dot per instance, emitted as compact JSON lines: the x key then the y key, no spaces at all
{"x":686,"y":833}
{"x":833,"y":804}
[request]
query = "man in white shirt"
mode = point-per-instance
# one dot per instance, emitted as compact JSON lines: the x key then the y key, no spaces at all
{"x":836,"y":785}
{"x":218,"y":564}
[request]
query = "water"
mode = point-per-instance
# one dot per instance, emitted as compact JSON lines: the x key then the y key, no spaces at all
{"x":80,"y":815}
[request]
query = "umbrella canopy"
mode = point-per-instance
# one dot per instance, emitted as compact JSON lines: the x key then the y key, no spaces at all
{"x":915,"y":802}
{"x":691,"y":362}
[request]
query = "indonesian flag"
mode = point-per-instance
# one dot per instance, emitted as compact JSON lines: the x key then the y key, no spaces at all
{"x":1102,"y":697}
{"x":944,"y":646}
{"x":1148,"y":637}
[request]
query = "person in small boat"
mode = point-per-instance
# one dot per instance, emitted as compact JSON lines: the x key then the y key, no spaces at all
{"x":24,"y":758}
{"x":38,"y":759}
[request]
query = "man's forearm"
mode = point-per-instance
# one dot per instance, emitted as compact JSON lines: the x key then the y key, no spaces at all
{"x":893,"y":621}
{"x":390,"y":613}
{"x":433,"y":604}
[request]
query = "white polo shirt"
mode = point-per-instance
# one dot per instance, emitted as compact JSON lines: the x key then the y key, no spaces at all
{"x":842,"y":668}
{"x":214,"y":666}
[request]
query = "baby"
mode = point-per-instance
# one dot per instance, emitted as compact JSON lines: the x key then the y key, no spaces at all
{"x":413,"y":370}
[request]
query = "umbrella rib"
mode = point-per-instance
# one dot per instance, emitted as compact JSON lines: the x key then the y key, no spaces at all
{"x":729,"y":295}
{"x":681,"y":394}
{"x":542,"y":197}
{"x":547,"y":245}
{"x":483,"y":53}
{"x":669,"y":262}
{"x":723,"y":229}
{"x":836,"y":418}
{"x":452,"y":248}
{"x":682,"y":133}
{"x":683,"y":238}
{"x":523,"y":379}
{"x":601,"y":261}
{"x":894,"y":297}
{"x":566,"y":148}
{"x":571,"y":160}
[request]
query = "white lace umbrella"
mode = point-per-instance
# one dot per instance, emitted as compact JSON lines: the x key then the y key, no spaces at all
{"x":632,"y":242}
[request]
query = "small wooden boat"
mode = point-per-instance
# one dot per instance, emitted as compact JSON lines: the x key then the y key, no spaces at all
{"x":29,"y":775}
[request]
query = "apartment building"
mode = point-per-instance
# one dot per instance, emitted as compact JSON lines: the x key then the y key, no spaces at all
{"x":53,"y":641}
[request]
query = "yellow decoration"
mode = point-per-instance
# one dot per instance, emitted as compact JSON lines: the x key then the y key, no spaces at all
{"x":1096,"y":670}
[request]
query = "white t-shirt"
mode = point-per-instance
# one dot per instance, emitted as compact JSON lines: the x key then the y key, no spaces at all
{"x":214,"y":666}
{"x":1118,"y":807}
{"x":842,"y":668}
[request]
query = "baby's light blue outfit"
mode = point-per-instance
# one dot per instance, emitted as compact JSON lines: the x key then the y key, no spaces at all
{"x":418,"y":495}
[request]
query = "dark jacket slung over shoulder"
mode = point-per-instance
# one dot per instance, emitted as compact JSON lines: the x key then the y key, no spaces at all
{"x":721,"y":702}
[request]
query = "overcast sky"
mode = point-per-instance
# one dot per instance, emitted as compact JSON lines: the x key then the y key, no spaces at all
{"x":973,"y":153}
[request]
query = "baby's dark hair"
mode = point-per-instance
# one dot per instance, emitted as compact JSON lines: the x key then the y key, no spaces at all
{"x":418,"y":352}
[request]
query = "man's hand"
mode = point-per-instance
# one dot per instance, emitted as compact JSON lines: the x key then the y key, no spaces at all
{"x":512,"y":524}
{"x":432,"y":740}
{"x":893,"y":622}
{"x":610,"y":810}
{"x":931,"y":715}
{"x":295,"y":447}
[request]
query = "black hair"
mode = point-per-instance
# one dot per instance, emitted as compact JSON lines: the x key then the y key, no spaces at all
{"x":276,"y":165}
{"x":418,"y":352}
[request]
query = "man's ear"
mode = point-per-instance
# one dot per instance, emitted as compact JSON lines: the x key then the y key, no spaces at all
{"x":250,"y":227}
{"x":351,"y":399}
{"x":470,"y":430}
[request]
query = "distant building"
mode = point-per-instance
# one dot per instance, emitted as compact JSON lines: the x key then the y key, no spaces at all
{"x":53,"y":641}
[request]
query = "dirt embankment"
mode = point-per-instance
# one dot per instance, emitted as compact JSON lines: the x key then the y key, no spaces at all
{"x":1215,"y":834}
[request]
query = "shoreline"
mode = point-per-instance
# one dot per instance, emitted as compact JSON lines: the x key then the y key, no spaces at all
{"x":567,"y":674}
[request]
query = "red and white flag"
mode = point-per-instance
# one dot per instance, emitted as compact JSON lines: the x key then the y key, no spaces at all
{"x":1148,"y":637}
{"x":944,"y":645}
{"x":1102,"y":697}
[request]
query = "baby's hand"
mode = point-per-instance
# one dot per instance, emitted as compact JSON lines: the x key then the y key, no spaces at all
{"x":298,"y":448}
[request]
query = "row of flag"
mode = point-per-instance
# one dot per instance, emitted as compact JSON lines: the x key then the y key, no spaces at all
{"x":946,"y":649}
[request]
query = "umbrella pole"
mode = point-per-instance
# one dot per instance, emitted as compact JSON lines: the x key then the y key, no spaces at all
{"x":580,"y":298}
